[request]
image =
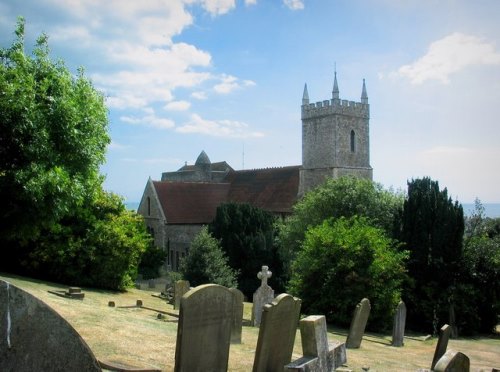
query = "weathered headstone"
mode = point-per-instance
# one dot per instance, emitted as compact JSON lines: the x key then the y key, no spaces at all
{"x":263,"y":295}
{"x":277,"y":334}
{"x":453,"y":361}
{"x":237,"y":322}
{"x":180,"y":288}
{"x":319,"y":355}
{"x":36,"y":338}
{"x":398,"y":328}
{"x":358,"y":324}
{"x":442,"y":344}
{"x":204,"y":330}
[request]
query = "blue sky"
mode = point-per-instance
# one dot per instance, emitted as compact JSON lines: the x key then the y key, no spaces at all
{"x":226,"y":76}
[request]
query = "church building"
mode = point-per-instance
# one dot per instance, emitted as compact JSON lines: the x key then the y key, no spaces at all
{"x":335,"y":142}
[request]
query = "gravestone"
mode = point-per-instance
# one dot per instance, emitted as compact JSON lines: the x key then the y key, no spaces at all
{"x":180,"y":288}
{"x":442,"y":344}
{"x":36,"y":338}
{"x":358,"y":324}
{"x":453,"y":361}
{"x":204,"y":329}
{"x":263,"y":295}
{"x":319,"y":355}
{"x":237,"y":321}
{"x":277,"y":334}
{"x":398,"y":328}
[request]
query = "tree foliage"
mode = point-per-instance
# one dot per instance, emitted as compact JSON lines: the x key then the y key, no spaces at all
{"x":432,"y":230}
{"x":247,"y":236}
{"x":53,"y":138}
{"x":342,"y":261}
{"x":206,"y":262}
{"x":481,"y":264}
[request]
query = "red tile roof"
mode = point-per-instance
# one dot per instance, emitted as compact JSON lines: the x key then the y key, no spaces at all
{"x":272,"y":189}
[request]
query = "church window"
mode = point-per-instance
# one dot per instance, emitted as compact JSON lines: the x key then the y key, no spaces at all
{"x":149,"y":206}
{"x":353,"y":141}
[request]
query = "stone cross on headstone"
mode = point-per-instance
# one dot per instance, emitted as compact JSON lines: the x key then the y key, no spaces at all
{"x":398,"y":329}
{"x":442,"y":344}
{"x":264,"y":275}
{"x":263,"y":295}
{"x":358,"y":324}
{"x":319,"y":355}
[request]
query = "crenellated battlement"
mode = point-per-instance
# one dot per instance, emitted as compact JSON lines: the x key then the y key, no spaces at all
{"x":335,"y":106}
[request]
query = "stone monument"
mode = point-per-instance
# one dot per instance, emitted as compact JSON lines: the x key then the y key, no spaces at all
{"x":358,"y":324}
{"x":398,"y":329}
{"x":263,"y":295}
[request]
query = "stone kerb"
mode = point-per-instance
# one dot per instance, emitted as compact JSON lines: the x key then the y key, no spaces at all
{"x":204,"y":329}
{"x":398,"y":329}
{"x":358,"y":324}
{"x":237,"y":315}
{"x":180,"y":288}
{"x":442,"y":344}
{"x":263,"y":295}
{"x":36,"y":338}
{"x":277,"y":334}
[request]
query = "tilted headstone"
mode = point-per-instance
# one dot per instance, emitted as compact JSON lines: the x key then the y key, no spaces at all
{"x":277,"y":334}
{"x":263,"y":295}
{"x":180,"y":288}
{"x":204,"y":329}
{"x":358,"y":324}
{"x":453,"y":361}
{"x":442,"y":344}
{"x":36,"y":338}
{"x":319,"y":355}
{"x":398,"y":328}
{"x":237,"y":321}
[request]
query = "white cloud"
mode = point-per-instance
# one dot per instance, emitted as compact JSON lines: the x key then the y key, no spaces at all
{"x":199,"y":95}
{"x":230,"y":83}
{"x":150,"y":120}
{"x":116,"y":146}
{"x":221,"y":128}
{"x":250,"y":2}
{"x":294,"y":4}
{"x":218,"y":7}
{"x":178,"y":106}
{"x":450,"y":55}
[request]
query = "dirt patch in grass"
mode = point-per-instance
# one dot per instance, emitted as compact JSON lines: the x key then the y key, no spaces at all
{"x":137,"y":337}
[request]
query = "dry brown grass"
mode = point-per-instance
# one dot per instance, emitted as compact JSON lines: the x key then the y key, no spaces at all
{"x":137,"y":337}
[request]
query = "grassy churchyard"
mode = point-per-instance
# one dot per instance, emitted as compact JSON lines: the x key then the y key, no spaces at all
{"x":136,"y":336}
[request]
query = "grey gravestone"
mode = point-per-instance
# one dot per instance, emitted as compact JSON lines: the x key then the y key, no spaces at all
{"x":453,"y":361}
{"x":180,"y":288}
{"x":277,"y":334}
{"x":318,"y":354}
{"x":398,"y":328}
{"x":263,"y":295}
{"x":358,"y":324}
{"x":204,"y":330}
{"x":35,"y":338}
{"x":237,"y":321}
{"x":442,"y":344}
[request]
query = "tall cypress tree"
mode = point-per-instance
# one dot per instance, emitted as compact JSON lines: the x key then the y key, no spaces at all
{"x":432,"y":230}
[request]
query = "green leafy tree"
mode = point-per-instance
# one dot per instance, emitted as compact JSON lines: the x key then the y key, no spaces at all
{"x":432,"y":230}
{"x":206,"y":262}
{"x":53,"y":137}
{"x":98,"y":245}
{"x":344,"y":260}
{"x":151,"y":261}
{"x":480,"y":302}
{"x":247,"y":236}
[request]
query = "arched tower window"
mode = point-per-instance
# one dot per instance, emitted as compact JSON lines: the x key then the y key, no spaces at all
{"x":149,"y":206}
{"x":353,"y":141}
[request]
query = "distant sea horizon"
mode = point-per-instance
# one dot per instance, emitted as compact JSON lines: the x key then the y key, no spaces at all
{"x":491,"y":210}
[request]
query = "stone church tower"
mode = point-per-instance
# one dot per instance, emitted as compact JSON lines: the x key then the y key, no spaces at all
{"x":335,"y":139}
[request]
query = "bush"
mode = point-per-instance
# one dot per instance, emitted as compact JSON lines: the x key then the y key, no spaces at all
{"x":343,"y":261}
{"x":151,"y":261}
{"x":206,"y":263}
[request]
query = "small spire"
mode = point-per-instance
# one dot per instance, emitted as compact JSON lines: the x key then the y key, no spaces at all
{"x":364,"y":96}
{"x":305,"y":96}
{"x":335,"y":91}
